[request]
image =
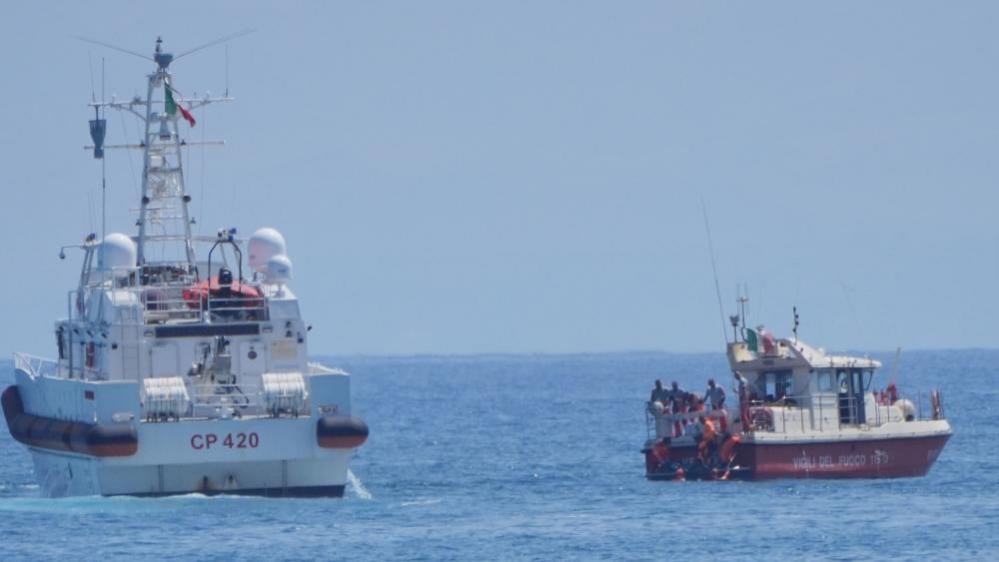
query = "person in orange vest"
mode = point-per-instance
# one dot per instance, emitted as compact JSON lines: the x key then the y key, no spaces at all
{"x":660,"y":452}
{"x":708,"y":444}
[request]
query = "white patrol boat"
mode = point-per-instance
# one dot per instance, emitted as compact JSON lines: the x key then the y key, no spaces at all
{"x":176,"y":375}
{"x":798,"y":412}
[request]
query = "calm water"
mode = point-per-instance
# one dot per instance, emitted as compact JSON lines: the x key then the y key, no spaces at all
{"x":536,"y":458}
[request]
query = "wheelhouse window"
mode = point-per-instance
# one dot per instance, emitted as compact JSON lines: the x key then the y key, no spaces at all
{"x":825,"y":381}
{"x":851,"y":385}
{"x":777,"y":385}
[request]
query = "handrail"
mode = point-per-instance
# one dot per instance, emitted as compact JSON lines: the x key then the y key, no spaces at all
{"x":164,"y":302}
{"x":36,"y":366}
{"x":779,"y":415}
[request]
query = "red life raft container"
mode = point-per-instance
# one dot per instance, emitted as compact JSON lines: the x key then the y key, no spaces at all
{"x":231,"y":295}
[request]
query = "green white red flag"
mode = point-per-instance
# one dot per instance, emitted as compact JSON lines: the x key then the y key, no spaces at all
{"x":172,"y":105}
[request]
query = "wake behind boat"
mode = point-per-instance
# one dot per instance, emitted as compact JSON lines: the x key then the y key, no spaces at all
{"x":800,"y":413}
{"x":178,"y":375}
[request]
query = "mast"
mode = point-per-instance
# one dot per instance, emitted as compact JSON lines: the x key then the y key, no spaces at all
{"x":165,"y":245}
{"x":163,"y":211}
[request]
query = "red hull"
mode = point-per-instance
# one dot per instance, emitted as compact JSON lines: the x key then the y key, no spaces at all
{"x":880,"y":458}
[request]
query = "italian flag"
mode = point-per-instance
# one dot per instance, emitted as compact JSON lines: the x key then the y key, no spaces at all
{"x":172,"y":106}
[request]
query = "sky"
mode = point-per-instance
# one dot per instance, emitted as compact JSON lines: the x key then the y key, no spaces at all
{"x":472,"y":177}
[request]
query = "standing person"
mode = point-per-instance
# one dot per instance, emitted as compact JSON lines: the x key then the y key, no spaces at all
{"x":715,"y":396}
{"x":659,"y":393}
{"x":676,"y":395}
{"x":660,"y":396}
{"x":743,"y":383}
{"x":678,"y":405}
{"x":743,"y":400}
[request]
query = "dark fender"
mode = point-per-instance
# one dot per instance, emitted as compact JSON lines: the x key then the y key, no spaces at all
{"x":341,"y":432}
{"x":113,"y":440}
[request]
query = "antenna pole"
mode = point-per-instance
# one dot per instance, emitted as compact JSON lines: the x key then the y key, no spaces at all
{"x":742,"y":311}
{"x":894,"y":365}
{"x":714,"y":270}
{"x":104,"y":175}
{"x":795,"y":310}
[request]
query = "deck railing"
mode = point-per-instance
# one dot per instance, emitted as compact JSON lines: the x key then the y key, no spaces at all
{"x":224,"y":400}
{"x":161,"y":304}
{"x":36,"y":366}
{"x":818,"y":412}
{"x":228,"y":401}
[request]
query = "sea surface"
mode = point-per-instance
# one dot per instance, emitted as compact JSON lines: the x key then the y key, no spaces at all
{"x":536,"y":457}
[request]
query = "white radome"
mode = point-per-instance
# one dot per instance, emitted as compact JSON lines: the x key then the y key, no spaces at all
{"x":118,"y":252}
{"x":264,"y":245}
{"x":278,"y":269}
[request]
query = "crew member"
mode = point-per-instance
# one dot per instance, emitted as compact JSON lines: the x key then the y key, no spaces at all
{"x":675,"y":395}
{"x":715,"y":396}
{"x":744,"y":399}
{"x":659,"y":394}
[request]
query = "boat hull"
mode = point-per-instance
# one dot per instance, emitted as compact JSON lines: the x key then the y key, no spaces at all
{"x":62,"y":475}
{"x":892,"y":457}
{"x":305,"y":456}
{"x":868,"y":458}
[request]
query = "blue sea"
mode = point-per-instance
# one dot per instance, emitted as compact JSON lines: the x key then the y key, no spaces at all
{"x":536,"y":457}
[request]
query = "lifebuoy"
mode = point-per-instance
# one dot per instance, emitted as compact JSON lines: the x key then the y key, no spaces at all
{"x":762,"y":418}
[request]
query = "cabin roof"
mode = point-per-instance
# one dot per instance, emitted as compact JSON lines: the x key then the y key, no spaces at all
{"x":793,"y":354}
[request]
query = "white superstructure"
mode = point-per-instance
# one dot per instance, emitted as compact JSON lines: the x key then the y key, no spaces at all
{"x":177,"y":369}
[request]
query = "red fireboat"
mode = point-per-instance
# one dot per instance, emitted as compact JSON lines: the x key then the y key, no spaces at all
{"x":800,"y":413}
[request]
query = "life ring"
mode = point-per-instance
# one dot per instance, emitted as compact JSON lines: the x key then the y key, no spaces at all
{"x":762,"y":418}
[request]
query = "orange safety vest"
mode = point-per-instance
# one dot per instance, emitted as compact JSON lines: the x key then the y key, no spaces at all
{"x":709,"y":430}
{"x":660,"y":452}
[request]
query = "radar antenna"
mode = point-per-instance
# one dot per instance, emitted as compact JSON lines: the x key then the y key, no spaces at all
{"x":164,"y":59}
{"x":229,"y":37}
{"x":110,"y":46}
